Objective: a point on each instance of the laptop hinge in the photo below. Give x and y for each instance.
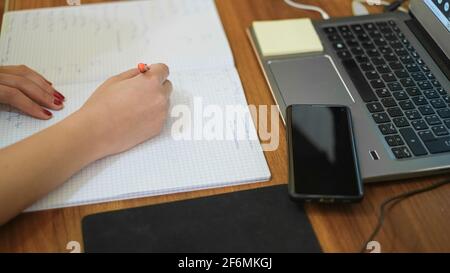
(430, 45)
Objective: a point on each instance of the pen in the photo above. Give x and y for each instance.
(143, 67)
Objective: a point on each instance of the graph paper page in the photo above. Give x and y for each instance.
(94, 42)
(202, 70)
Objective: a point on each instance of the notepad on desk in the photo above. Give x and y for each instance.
(77, 48)
(285, 37)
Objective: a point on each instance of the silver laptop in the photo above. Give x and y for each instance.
(393, 71)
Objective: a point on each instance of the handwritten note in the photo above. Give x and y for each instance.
(79, 47)
(91, 42)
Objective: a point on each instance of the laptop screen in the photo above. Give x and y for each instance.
(440, 8)
(434, 17)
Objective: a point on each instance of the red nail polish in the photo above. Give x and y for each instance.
(59, 96)
(48, 113)
(57, 102)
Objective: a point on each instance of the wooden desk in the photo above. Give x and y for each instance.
(420, 224)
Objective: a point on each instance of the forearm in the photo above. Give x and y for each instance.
(37, 165)
(124, 111)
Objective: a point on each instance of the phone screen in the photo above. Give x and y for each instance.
(323, 161)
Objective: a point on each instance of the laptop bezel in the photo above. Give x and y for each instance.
(431, 24)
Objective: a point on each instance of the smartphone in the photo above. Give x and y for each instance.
(323, 161)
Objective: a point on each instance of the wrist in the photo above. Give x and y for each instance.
(90, 134)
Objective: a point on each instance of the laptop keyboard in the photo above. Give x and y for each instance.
(409, 105)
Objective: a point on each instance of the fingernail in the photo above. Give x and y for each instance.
(57, 102)
(48, 113)
(59, 95)
(49, 82)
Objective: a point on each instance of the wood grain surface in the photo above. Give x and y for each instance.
(419, 224)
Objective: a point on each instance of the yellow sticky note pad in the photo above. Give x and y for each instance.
(283, 37)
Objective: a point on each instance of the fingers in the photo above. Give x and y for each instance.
(24, 71)
(160, 71)
(125, 75)
(32, 90)
(42, 77)
(17, 99)
(167, 88)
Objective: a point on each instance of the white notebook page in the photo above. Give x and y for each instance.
(79, 47)
(93, 42)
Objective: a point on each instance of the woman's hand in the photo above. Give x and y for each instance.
(28, 91)
(128, 109)
(124, 111)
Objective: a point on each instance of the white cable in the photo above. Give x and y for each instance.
(291, 3)
(359, 9)
(382, 2)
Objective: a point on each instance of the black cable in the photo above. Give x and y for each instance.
(398, 199)
(394, 6)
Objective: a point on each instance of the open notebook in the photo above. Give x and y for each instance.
(77, 48)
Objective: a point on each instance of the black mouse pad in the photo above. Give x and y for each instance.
(254, 221)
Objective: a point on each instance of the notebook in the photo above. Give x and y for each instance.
(77, 48)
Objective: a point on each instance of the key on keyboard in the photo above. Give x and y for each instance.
(405, 99)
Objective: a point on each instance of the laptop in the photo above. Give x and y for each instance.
(393, 71)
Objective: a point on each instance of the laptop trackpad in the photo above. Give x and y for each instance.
(309, 80)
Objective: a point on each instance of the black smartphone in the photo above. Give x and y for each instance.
(323, 161)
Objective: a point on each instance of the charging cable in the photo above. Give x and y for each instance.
(394, 5)
(296, 5)
(388, 6)
(391, 202)
(357, 10)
